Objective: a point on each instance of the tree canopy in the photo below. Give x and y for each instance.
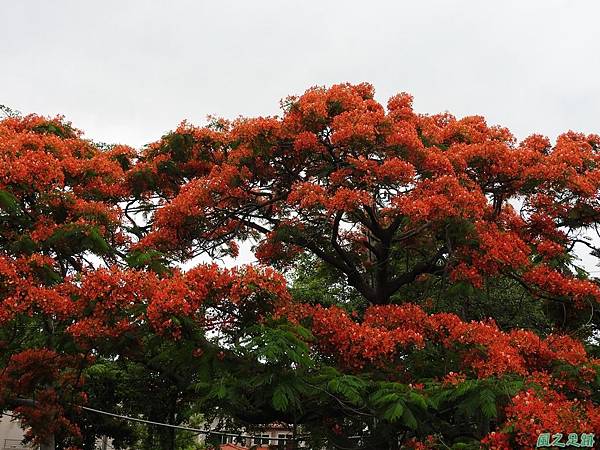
(417, 284)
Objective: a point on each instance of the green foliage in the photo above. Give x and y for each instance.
(280, 344)
(314, 282)
(179, 146)
(141, 180)
(478, 401)
(72, 239)
(502, 298)
(348, 387)
(8, 202)
(152, 260)
(62, 130)
(159, 386)
(286, 395)
(398, 402)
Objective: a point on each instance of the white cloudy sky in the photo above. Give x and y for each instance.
(127, 71)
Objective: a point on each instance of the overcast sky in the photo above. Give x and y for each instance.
(127, 71)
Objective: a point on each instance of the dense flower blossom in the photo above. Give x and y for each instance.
(392, 202)
(388, 333)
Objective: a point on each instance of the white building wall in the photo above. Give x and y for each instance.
(11, 434)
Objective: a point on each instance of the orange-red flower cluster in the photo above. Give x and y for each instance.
(388, 333)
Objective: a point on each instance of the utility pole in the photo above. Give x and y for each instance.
(49, 444)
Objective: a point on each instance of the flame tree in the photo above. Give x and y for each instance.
(435, 298)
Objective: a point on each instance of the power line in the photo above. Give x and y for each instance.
(181, 427)
(198, 430)
(184, 428)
